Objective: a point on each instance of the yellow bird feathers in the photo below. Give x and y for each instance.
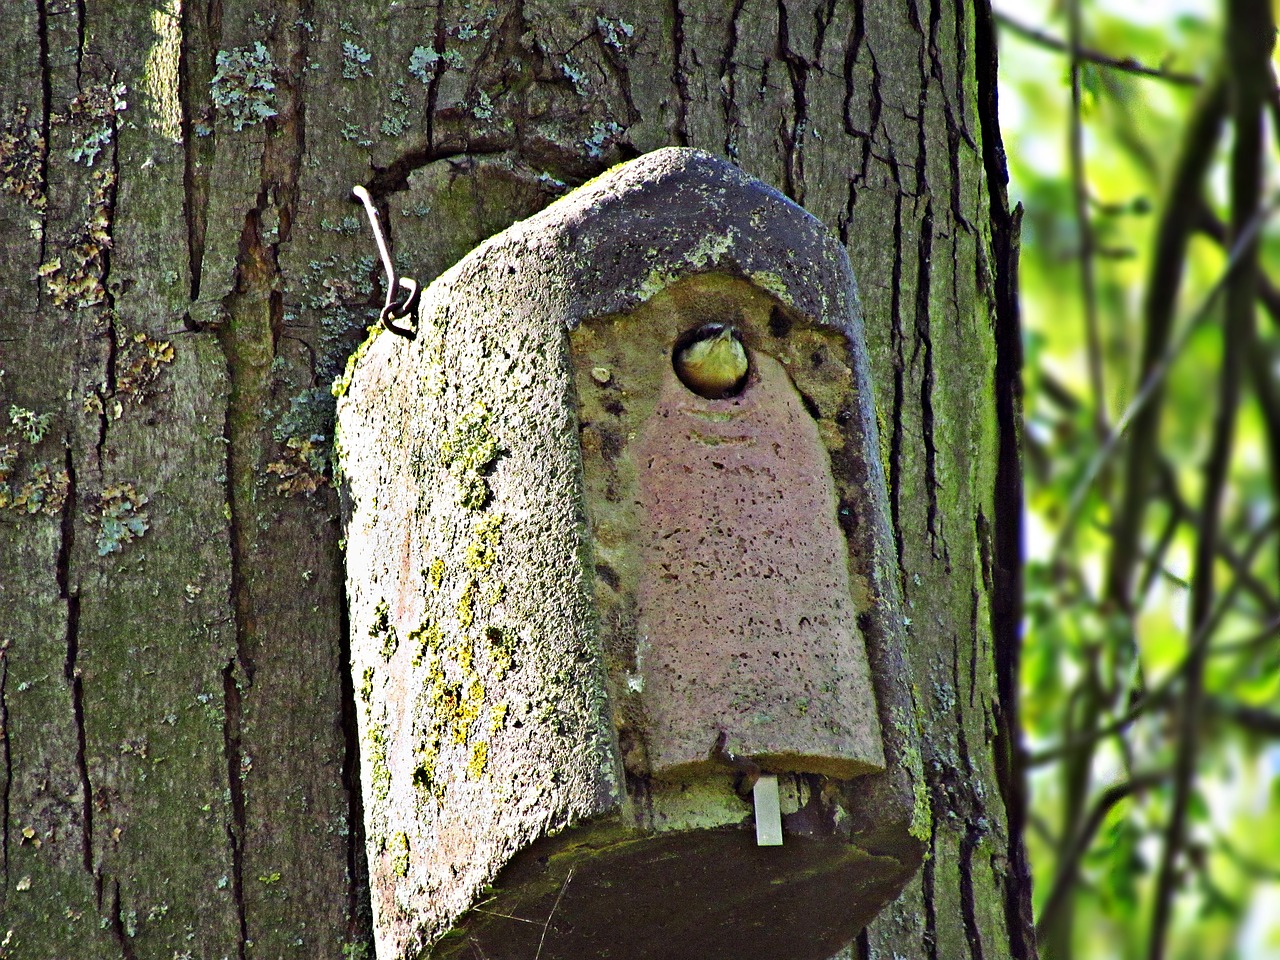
(713, 361)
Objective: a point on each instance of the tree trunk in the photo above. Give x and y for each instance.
(183, 276)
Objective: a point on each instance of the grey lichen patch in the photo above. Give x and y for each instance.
(30, 486)
(304, 433)
(91, 117)
(119, 517)
(244, 88)
(355, 61)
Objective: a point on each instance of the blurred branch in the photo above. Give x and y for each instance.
(1208, 223)
(1250, 36)
(1069, 863)
(1080, 192)
(1151, 387)
(1124, 64)
(1177, 221)
(1253, 719)
(1261, 376)
(1185, 513)
(1163, 694)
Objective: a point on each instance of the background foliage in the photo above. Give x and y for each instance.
(1142, 143)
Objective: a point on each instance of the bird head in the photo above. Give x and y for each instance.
(711, 361)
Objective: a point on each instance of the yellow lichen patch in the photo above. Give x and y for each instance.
(466, 604)
(479, 760)
(74, 277)
(301, 468)
(434, 574)
(427, 640)
(482, 551)
(21, 149)
(140, 363)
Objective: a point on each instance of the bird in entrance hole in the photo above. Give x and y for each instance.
(711, 361)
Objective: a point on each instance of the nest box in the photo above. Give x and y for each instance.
(627, 652)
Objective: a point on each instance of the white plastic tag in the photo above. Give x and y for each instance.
(768, 811)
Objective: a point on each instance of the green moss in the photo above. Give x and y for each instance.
(366, 685)
(343, 383)
(922, 811)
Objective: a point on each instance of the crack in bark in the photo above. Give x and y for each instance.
(852, 53)
(236, 828)
(1006, 596)
(793, 136)
(438, 41)
(729, 83)
(71, 672)
(82, 17)
(899, 373)
(194, 75)
(924, 344)
(46, 123)
(927, 886)
(968, 902)
(358, 908)
(108, 298)
(969, 803)
(678, 77)
(118, 929)
(6, 785)
(70, 666)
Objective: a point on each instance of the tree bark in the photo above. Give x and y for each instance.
(183, 276)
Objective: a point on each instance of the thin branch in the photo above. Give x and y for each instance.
(1152, 385)
(1123, 64)
(1164, 693)
(1177, 221)
(1185, 513)
(1064, 882)
(1253, 719)
(555, 906)
(1250, 36)
(1208, 223)
(1080, 191)
(1261, 376)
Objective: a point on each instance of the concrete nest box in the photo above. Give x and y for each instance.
(625, 633)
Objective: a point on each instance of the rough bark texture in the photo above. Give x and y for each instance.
(183, 274)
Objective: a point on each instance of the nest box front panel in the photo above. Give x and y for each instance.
(723, 575)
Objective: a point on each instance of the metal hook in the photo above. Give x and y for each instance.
(392, 311)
